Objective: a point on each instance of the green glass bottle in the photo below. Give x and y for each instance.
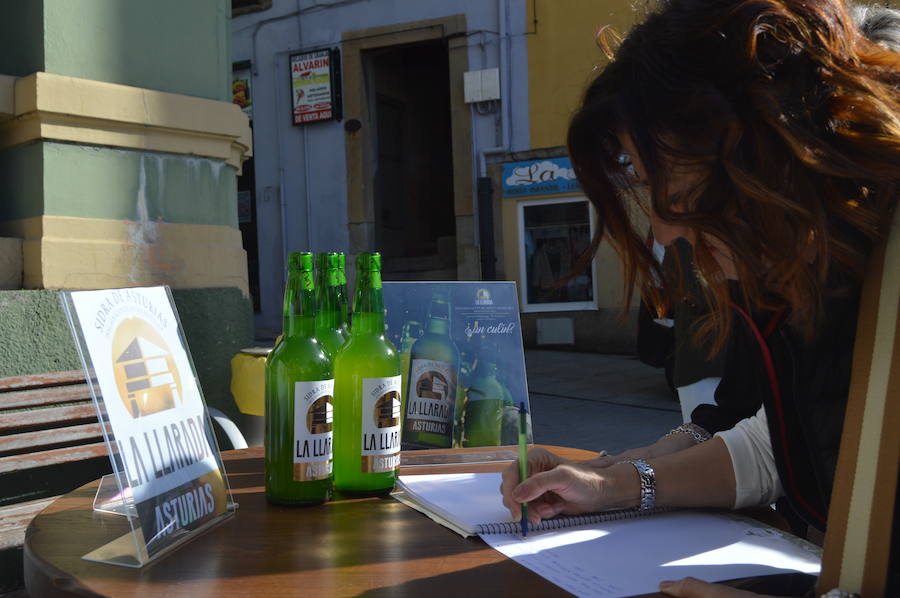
(328, 312)
(433, 378)
(343, 296)
(484, 404)
(367, 393)
(299, 400)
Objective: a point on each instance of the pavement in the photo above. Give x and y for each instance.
(597, 402)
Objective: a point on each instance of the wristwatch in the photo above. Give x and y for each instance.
(648, 482)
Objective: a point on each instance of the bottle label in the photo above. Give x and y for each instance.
(380, 424)
(313, 430)
(431, 397)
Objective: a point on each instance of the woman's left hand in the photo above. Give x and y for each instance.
(694, 588)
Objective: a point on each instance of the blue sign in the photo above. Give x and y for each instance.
(547, 176)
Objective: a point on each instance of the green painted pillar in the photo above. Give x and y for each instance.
(119, 166)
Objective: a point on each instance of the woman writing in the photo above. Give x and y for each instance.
(768, 136)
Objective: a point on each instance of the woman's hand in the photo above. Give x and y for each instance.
(557, 486)
(694, 588)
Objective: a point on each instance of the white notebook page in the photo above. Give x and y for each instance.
(467, 499)
(624, 558)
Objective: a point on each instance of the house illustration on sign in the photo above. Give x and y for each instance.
(149, 380)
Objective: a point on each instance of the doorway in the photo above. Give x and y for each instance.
(408, 92)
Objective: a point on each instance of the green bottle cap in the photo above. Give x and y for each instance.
(333, 261)
(368, 262)
(300, 260)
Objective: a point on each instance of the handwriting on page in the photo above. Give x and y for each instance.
(624, 558)
(549, 555)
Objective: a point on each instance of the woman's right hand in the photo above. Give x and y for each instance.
(556, 486)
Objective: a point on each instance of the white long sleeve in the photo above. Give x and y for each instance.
(756, 478)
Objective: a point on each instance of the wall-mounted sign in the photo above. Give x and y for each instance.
(547, 176)
(240, 95)
(316, 86)
(164, 454)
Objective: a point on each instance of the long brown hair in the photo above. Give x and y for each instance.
(793, 118)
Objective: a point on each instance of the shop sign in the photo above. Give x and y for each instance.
(315, 86)
(547, 176)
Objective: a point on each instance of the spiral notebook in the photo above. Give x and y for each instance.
(470, 504)
(615, 553)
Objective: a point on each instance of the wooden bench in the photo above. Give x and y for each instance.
(50, 443)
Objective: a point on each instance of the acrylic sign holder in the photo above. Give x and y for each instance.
(167, 499)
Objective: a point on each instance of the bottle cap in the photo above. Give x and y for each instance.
(333, 261)
(368, 262)
(300, 260)
(439, 307)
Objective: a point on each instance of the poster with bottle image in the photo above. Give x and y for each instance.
(462, 362)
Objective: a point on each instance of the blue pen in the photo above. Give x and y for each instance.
(523, 460)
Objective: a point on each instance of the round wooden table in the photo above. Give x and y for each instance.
(347, 547)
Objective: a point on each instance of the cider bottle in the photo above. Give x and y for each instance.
(328, 314)
(367, 393)
(484, 403)
(299, 400)
(343, 296)
(433, 378)
(407, 338)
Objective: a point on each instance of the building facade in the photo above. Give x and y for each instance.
(441, 114)
(119, 151)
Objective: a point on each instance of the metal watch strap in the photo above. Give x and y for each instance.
(648, 482)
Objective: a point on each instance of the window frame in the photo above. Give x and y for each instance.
(559, 306)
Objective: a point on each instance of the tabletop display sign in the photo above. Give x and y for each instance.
(316, 86)
(462, 362)
(168, 478)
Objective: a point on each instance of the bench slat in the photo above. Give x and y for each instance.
(52, 457)
(43, 418)
(39, 439)
(37, 380)
(48, 395)
(15, 518)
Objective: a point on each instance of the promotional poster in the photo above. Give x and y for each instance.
(462, 362)
(313, 86)
(161, 441)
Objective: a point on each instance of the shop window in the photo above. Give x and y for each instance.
(554, 233)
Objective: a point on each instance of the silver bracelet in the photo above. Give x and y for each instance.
(648, 482)
(696, 432)
(838, 593)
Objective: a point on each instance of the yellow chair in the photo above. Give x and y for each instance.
(860, 520)
(248, 386)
